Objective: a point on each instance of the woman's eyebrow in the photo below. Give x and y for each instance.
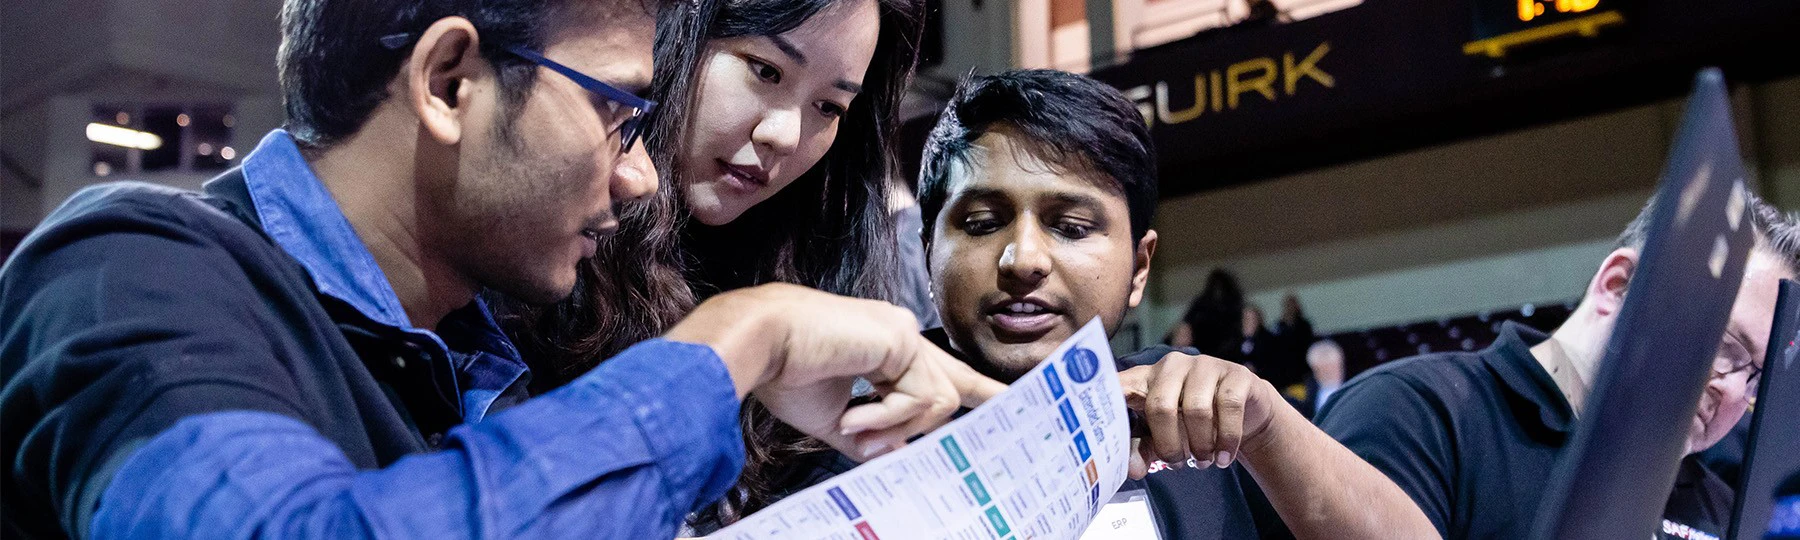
(788, 48)
(793, 53)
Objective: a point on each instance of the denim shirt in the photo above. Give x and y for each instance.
(622, 452)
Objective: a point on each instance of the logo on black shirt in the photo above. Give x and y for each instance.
(1672, 529)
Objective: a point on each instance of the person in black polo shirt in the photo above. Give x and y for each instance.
(1473, 436)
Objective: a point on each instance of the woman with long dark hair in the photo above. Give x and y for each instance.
(787, 158)
(775, 147)
(785, 173)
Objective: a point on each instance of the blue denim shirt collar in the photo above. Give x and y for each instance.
(304, 219)
(301, 216)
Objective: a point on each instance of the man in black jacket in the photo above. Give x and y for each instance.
(299, 351)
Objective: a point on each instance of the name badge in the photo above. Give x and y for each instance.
(1126, 517)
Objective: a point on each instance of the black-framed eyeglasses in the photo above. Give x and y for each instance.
(632, 112)
(1747, 366)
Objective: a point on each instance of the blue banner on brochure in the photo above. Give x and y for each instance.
(1002, 470)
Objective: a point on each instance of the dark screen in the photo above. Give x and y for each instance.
(1775, 426)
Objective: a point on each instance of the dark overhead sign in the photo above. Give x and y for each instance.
(1241, 104)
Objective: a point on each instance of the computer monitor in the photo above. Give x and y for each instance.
(1775, 425)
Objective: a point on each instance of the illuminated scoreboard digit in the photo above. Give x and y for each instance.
(1504, 24)
(1532, 9)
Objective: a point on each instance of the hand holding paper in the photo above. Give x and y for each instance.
(1036, 461)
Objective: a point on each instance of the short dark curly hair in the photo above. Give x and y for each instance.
(334, 69)
(1071, 122)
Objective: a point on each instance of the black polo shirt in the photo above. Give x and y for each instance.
(1474, 436)
(1203, 503)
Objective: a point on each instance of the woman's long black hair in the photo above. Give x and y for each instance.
(830, 229)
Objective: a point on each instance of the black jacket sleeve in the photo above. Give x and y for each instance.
(125, 312)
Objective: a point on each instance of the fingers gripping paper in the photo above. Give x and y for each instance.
(1037, 461)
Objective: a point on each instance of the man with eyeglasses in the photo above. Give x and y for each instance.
(299, 351)
(1472, 437)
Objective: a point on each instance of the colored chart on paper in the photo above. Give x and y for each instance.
(1034, 462)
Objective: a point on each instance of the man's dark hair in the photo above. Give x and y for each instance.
(1777, 233)
(1069, 122)
(335, 70)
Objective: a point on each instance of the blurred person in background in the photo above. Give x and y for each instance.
(1470, 434)
(1326, 360)
(1285, 365)
(1256, 345)
(915, 281)
(1215, 320)
(914, 293)
(1277, 354)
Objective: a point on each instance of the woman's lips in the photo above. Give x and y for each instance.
(742, 178)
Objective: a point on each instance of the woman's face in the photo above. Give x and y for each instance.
(769, 108)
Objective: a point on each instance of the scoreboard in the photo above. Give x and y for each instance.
(1501, 25)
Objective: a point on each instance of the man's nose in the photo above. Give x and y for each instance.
(1027, 258)
(633, 175)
